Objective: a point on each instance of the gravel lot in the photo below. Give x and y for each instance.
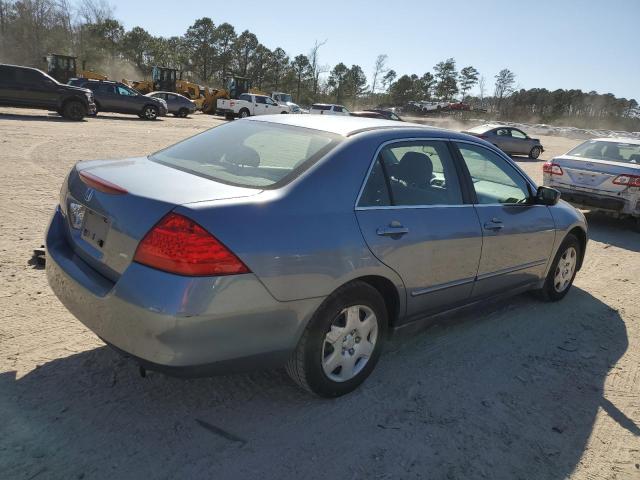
(518, 390)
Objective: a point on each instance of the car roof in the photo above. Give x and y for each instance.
(347, 125)
(633, 141)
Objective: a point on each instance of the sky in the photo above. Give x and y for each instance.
(584, 44)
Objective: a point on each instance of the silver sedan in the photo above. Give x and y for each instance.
(510, 140)
(301, 240)
(177, 104)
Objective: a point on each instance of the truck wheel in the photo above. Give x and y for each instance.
(149, 112)
(244, 113)
(283, 113)
(74, 110)
(342, 342)
(535, 153)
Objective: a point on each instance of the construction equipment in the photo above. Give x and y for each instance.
(162, 79)
(64, 67)
(234, 86)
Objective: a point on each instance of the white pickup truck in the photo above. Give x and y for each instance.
(248, 105)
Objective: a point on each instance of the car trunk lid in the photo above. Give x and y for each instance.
(594, 174)
(105, 225)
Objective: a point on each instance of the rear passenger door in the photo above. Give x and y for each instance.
(416, 220)
(518, 235)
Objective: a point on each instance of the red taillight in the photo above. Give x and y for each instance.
(552, 168)
(627, 180)
(179, 245)
(101, 185)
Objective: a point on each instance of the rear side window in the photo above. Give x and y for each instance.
(29, 77)
(7, 75)
(249, 153)
(416, 174)
(261, 100)
(245, 97)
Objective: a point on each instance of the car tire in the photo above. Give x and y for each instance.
(74, 110)
(342, 342)
(183, 113)
(563, 270)
(244, 113)
(149, 112)
(535, 152)
(284, 113)
(229, 116)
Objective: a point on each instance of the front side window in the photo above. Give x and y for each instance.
(249, 154)
(494, 180)
(124, 91)
(518, 134)
(416, 174)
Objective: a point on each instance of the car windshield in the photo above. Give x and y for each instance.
(608, 150)
(251, 154)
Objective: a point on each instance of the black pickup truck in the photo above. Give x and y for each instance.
(31, 88)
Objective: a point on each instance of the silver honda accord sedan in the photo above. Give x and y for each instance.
(302, 241)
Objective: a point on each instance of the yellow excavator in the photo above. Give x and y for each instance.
(64, 67)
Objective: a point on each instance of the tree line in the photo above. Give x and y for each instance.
(207, 52)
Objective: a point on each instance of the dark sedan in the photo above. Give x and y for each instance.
(508, 139)
(177, 104)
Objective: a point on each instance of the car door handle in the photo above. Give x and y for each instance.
(494, 224)
(392, 231)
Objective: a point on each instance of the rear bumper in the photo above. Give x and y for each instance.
(595, 201)
(182, 325)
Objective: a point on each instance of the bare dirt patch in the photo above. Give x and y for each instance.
(517, 390)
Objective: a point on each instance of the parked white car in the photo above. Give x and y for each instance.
(602, 175)
(248, 105)
(328, 109)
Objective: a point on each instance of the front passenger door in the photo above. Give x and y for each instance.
(517, 235)
(416, 220)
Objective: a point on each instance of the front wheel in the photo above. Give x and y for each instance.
(150, 112)
(535, 153)
(74, 110)
(342, 343)
(563, 270)
(244, 113)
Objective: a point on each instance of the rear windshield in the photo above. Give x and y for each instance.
(321, 107)
(479, 129)
(612, 151)
(249, 153)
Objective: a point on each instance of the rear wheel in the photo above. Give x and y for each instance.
(562, 271)
(149, 112)
(183, 112)
(74, 110)
(342, 343)
(244, 113)
(535, 152)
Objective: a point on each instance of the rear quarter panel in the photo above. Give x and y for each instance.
(302, 240)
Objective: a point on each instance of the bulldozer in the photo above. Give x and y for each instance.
(64, 67)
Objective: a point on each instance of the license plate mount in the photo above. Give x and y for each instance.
(95, 228)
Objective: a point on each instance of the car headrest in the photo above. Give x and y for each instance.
(243, 155)
(635, 158)
(415, 168)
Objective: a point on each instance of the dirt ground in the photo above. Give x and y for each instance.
(517, 390)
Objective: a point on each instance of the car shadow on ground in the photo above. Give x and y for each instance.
(44, 117)
(613, 231)
(132, 117)
(508, 391)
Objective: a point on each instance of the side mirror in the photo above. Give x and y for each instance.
(547, 196)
